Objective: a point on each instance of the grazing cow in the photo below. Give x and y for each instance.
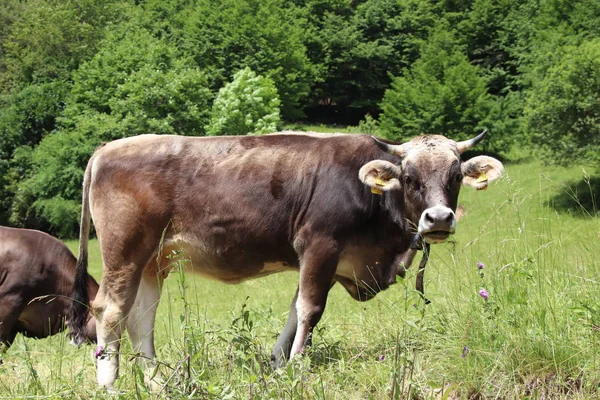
(336, 208)
(36, 282)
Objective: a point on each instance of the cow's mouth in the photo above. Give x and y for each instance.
(436, 236)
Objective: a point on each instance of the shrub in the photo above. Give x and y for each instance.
(563, 110)
(249, 104)
(441, 94)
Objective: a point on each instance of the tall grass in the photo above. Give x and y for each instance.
(536, 336)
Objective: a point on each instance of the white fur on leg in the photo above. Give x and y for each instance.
(302, 330)
(140, 325)
(107, 353)
(108, 367)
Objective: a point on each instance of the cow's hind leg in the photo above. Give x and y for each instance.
(282, 349)
(140, 324)
(111, 307)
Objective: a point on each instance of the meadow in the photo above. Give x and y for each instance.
(537, 336)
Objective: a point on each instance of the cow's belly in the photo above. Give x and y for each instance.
(40, 318)
(229, 267)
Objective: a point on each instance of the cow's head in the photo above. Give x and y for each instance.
(428, 175)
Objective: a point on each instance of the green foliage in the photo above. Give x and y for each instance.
(51, 195)
(25, 117)
(249, 104)
(48, 39)
(442, 93)
(134, 85)
(358, 47)
(143, 84)
(266, 36)
(563, 111)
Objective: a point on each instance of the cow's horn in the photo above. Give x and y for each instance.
(395, 149)
(469, 144)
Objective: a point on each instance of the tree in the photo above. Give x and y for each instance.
(141, 83)
(224, 36)
(48, 39)
(358, 45)
(25, 117)
(135, 84)
(249, 104)
(442, 93)
(563, 110)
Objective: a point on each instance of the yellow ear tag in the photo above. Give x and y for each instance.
(482, 178)
(378, 183)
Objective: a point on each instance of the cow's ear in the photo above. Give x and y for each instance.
(481, 170)
(381, 176)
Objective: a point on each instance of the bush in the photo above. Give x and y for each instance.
(441, 94)
(563, 110)
(249, 104)
(51, 196)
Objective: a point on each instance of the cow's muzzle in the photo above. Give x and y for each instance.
(437, 224)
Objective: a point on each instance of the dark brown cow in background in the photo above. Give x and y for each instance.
(336, 208)
(37, 273)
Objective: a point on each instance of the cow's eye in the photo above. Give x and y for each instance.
(410, 182)
(459, 178)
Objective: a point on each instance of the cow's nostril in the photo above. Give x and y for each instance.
(429, 218)
(449, 217)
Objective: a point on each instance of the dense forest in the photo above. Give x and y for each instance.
(76, 73)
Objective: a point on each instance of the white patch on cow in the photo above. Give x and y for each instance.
(303, 329)
(107, 370)
(140, 323)
(108, 363)
(157, 145)
(346, 265)
(354, 261)
(432, 147)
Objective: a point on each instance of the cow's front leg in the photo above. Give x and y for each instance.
(317, 268)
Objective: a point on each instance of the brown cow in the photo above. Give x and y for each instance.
(339, 208)
(36, 282)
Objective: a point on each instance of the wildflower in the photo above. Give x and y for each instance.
(465, 351)
(381, 357)
(99, 353)
(484, 294)
(480, 265)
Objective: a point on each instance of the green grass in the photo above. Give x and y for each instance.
(536, 337)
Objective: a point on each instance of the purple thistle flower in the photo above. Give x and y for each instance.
(99, 353)
(480, 265)
(484, 294)
(381, 357)
(465, 351)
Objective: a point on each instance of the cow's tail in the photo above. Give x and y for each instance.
(80, 305)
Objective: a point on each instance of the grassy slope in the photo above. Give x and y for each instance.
(537, 334)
